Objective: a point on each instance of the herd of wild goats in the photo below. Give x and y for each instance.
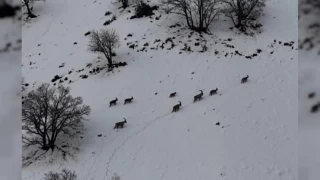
(175, 107)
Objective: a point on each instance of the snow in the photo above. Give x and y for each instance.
(308, 83)
(257, 135)
(10, 106)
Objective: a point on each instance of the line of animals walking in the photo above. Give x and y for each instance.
(175, 108)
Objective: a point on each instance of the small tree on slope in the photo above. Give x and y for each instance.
(199, 14)
(242, 11)
(48, 112)
(104, 42)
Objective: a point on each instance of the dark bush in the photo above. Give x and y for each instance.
(125, 3)
(155, 7)
(107, 13)
(143, 10)
(64, 175)
(7, 10)
(87, 33)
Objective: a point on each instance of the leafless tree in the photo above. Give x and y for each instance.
(64, 175)
(104, 42)
(243, 11)
(48, 112)
(199, 14)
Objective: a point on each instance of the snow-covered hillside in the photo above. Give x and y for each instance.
(256, 137)
(10, 97)
(309, 93)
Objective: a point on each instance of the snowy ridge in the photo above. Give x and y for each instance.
(257, 134)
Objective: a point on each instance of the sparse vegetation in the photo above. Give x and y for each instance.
(143, 9)
(65, 174)
(49, 112)
(242, 12)
(125, 3)
(115, 177)
(309, 10)
(204, 48)
(23, 84)
(29, 6)
(108, 13)
(314, 3)
(199, 14)
(114, 17)
(309, 29)
(104, 42)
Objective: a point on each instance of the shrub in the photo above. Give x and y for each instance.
(199, 14)
(143, 10)
(65, 174)
(125, 3)
(115, 177)
(241, 12)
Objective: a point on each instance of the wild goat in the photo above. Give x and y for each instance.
(120, 124)
(245, 79)
(128, 100)
(113, 102)
(173, 94)
(214, 91)
(176, 107)
(198, 96)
